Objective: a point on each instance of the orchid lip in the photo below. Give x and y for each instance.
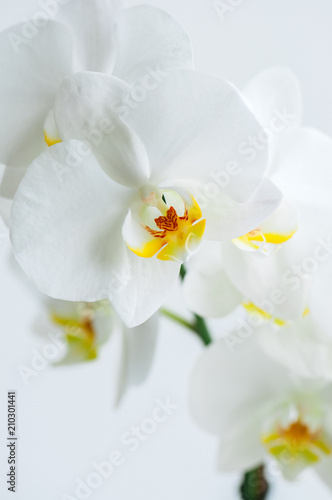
(79, 329)
(297, 443)
(263, 241)
(167, 224)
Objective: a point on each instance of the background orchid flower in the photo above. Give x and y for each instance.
(87, 326)
(258, 409)
(143, 39)
(118, 215)
(271, 267)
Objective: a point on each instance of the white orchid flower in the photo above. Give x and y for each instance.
(259, 409)
(270, 268)
(86, 327)
(107, 218)
(143, 40)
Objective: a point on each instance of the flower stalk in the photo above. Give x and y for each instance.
(198, 325)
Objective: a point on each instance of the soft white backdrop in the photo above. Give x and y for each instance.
(65, 418)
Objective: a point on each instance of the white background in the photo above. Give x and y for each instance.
(65, 417)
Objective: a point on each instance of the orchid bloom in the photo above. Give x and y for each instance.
(112, 214)
(86, 327)
(269, 269)
(143, 40)
(260, 410)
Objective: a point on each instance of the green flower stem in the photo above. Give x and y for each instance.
(177, 319)
(254, 485)
(197, 326)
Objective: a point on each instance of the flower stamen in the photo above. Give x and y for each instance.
(169, 236)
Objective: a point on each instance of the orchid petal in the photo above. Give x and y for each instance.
(299, 348)
(269, 281)
(230, 390)
(275, 98)
(210, 293)
(69, 248)
(242, 451)
(139, 345)
(144, 286)
(84, 110)
(149, 40)
(195, 126)
(92, 24)
(275, 230)
(227, 219)
(27, 92)
(304, 156)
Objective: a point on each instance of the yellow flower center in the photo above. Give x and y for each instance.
(79, 333)
(170, 236)
(297, 443)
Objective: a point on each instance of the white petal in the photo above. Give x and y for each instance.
(66, 224)
(136, 347)
(137, 354)
(196, 126)
(149, 40)
(283, 222)
(141, 342)
(33, 69)
(144, 285)
(270, 281)
(84, 110)
(299, 348)
(92, 25)
(304, 157)
(51, 132)
(230, 390)
(227, 219)
(118, 364)
(275, 98)
(211, 294)
(321, 295)
(272, 232)
(323, 470)
(242, 451)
